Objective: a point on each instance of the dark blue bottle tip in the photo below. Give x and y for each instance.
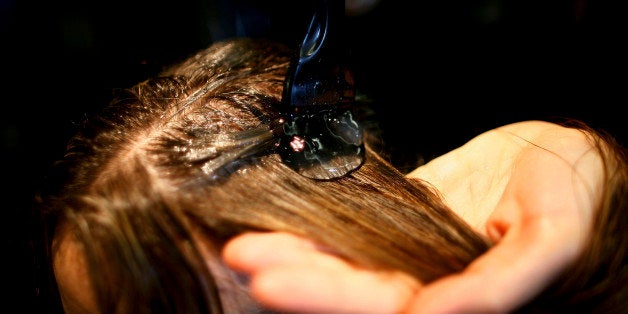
(322, 145)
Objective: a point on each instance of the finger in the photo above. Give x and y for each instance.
(254, 250)
(327, 284)
(531, 253)
(290, 273)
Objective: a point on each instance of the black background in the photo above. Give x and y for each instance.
(439, 72)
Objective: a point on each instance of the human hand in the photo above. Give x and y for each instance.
(539, 224)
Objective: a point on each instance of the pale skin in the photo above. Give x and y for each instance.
(530, 187)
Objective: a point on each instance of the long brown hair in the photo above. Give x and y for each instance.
(597, 282)
(165, 163)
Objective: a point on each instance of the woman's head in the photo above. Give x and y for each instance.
(165, 175)
(150, 190)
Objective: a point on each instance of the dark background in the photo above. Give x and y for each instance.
(439, 73)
